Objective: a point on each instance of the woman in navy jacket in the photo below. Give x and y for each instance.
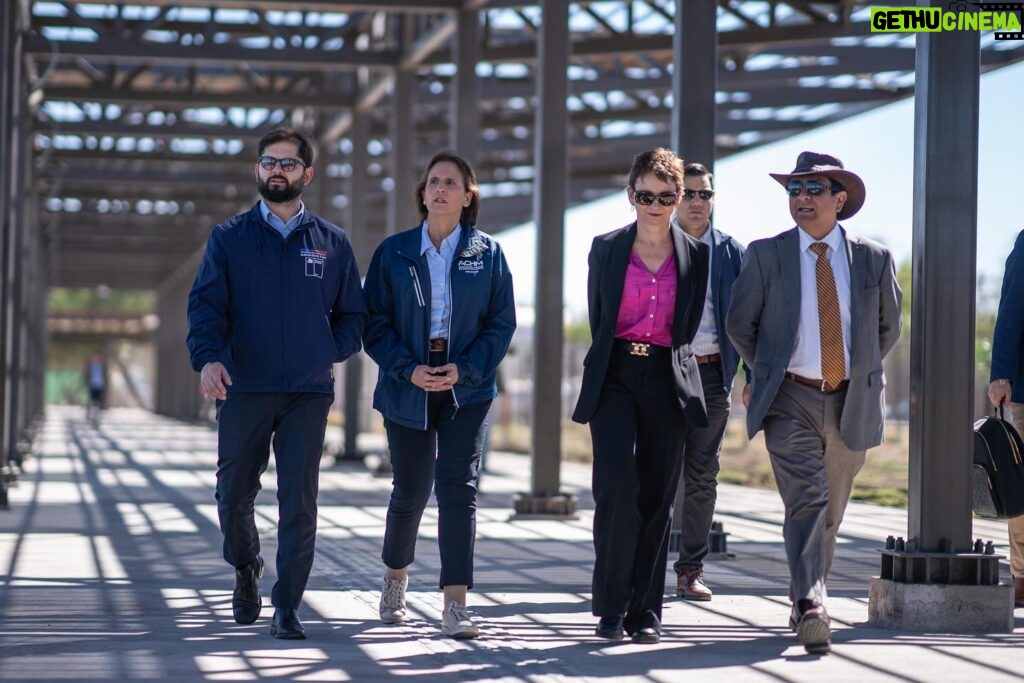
(441, 317)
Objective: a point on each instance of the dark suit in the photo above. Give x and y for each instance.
(816, 440)
(1008, 363)
(695, 501)
(638, 410)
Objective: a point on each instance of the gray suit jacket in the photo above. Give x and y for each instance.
(765, 313)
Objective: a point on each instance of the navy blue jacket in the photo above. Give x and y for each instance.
(726, 261)
(278, 313)
(397, 333)
(1008, 337)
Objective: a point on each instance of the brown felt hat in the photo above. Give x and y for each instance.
(815, 163)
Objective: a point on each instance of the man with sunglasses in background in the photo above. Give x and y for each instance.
(277, 301)
(813, 313)
(717, 361)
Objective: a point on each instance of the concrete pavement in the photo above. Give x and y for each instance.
(110, 569)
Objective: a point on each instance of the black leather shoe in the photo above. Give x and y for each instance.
(649, 630)
(286, 625)
(245, 601)
(610, 628)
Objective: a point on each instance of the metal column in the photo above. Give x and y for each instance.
(12, 146)
(357, 231)
(401, 204)
(551, 160)
(464, 134)
(694, 80)
(938, 551)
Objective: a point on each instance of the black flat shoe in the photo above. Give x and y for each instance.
(245, 601)
(610, 628)
(647, 636)
(286, 625)
(648, 631)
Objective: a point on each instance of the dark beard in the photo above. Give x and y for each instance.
(280, 195)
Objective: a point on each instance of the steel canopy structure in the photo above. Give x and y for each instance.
(129, 128)
(144, 113)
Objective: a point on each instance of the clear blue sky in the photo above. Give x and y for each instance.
(878, 146)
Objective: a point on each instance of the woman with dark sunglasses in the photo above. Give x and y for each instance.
(641, 392)
(441, 317)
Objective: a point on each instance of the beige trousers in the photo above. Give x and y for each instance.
(1016, 525)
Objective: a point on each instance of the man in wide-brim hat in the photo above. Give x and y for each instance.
(814, 310)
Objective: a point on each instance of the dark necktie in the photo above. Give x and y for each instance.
(833, 352)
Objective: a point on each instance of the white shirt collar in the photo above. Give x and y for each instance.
(834, 239)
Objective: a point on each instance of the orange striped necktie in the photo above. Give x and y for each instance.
(830, 326)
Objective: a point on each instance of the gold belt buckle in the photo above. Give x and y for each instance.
(639, 349)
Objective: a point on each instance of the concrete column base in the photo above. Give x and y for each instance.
(558, 506)
(940, 608)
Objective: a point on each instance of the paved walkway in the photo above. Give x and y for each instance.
(110, 569)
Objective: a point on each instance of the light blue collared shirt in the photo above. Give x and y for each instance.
(806, 358)
(275, 221)
(440, 265)
(705, 342)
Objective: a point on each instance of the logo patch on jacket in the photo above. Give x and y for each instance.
(313, 261)
(475, 247)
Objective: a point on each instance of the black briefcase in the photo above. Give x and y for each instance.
(998, 472)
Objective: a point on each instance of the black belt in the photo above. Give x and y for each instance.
(641, 349)
(818, 384)
(438, 345)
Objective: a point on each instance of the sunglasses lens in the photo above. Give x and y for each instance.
(667, 199)
(267, 163)
(287, 165)
(643, 198)
(814, 188)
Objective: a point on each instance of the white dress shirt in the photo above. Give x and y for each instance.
(806, 358)
(705, 342)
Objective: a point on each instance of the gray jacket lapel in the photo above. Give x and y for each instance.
(789, 262)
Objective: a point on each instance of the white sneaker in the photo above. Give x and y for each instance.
(392, 600)
(456, 622)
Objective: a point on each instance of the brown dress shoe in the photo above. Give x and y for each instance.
(813, 627)
(690, 585)
(1018, 591)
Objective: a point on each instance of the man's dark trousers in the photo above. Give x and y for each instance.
(700, 471)
(247, 423)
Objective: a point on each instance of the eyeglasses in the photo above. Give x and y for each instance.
(814, 188)
(645, 198)
(288, 164)
(703, 194)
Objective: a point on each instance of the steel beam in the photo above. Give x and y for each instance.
(551, 158)
(942, 335)
(695, 55)
(464, 135)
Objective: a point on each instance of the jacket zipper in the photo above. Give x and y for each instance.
(416, 286)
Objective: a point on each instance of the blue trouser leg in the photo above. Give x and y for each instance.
(699, 479)
(298, 447)
(245, 423)
(445, 457)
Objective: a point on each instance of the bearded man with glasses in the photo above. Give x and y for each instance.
(640, 393)
(718, 362)
(813, 313)
(276, 302)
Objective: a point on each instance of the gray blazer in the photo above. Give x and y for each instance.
(765, 313)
